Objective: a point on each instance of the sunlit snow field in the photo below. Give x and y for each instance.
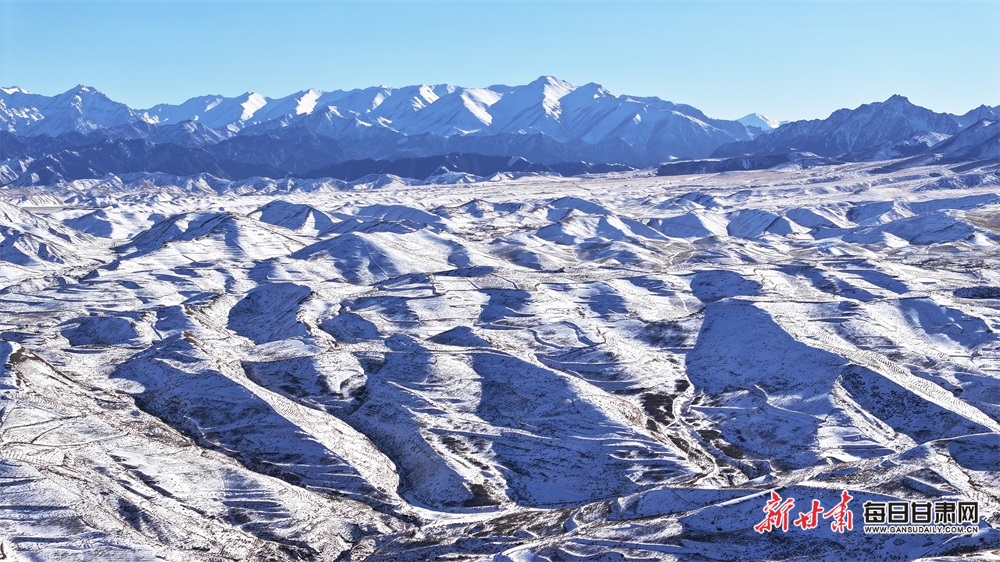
(619, 367)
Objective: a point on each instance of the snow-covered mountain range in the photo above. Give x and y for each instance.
(548, 120)
(549, 106)
(866, 133)
(552, 125)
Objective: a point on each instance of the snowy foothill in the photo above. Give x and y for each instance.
(613, 367)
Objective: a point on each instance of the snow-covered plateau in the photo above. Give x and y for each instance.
(613, 367)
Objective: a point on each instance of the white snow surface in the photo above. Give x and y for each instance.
(618, 367)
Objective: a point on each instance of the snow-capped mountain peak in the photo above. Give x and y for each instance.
(978, 114)
(594, 90)
(79, 89)
(760, 121)
(80, 109)
(426, 96)
(553, 89)
(307, 101)
(251, 104)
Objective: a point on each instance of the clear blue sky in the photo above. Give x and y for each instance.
(790, 60)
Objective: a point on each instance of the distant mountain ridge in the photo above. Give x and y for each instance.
(548, 123)
(375, 120)
(855, 132)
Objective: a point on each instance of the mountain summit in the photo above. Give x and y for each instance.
(761, 121)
